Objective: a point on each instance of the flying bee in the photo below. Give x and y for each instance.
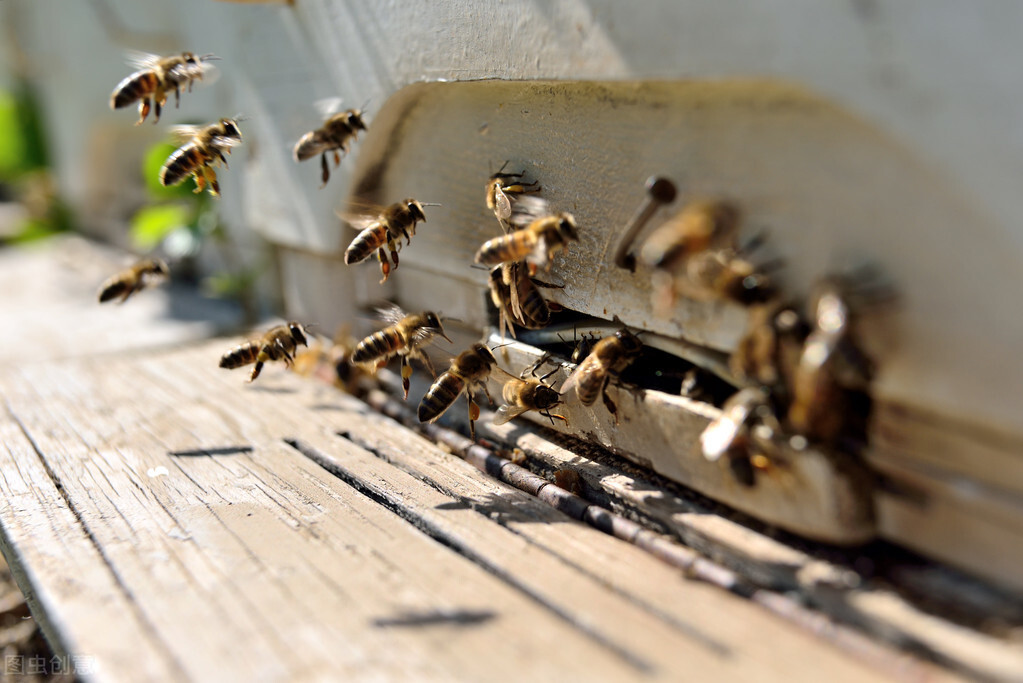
(204, 147)
(696, 253)
(468, 372)
(522, 394)
(746, 432)
(541, 235)
(278, 343)
(333, 136)
(156, 77)
(405, 337)
(500, 187)
(609, 357)
(385, 227)
(133, 279)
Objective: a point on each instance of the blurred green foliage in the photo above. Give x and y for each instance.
(24, 162)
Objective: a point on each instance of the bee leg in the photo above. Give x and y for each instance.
(394, 250)
(489, 397)
(157, 108)
(200, 182)
(337, 157)
(428, 364)
(406, 373)
(177, 94)
(143, 111)
(256, 370)
(552, 416)
(385, 265)
(211, 176)
(324, 169)
(608, 403)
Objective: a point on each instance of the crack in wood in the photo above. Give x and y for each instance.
(400, 508)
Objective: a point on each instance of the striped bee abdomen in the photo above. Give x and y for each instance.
(309, 145)
(534, 307)
(140, 84)
(379, 345)
(499, 250)
(365, 243)
(240, 355)
(440, 397)
(112, 290)
(181, 164)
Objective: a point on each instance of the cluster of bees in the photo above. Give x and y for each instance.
(801, 378)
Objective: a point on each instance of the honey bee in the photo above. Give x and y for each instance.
(133, 279)
(499, 188)
(468, 372)
(522, 394)
(156, 77)
(205, 146)
(609, 357)
(696, 253)
(386, 226)
(278, 343)
(331, 361)
(746, 432)
(333, 136)
(831, 370)
(769, 351)
(517, 298)
(405, 337)
(541, 236)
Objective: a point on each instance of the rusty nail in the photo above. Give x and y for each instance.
(659, 191)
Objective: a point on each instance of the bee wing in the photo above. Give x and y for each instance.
(507, 413)
(502, 205)
(527, 209)
(184, 133)
(568, 388)
(328, 106)
(203, 71)
(141, 60)
(502, 376)
(392, 314)
(360, 214)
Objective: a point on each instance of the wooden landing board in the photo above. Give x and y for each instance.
(164, 491)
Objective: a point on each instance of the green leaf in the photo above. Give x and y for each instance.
(153, 223)
(155, 158)
(12, 146)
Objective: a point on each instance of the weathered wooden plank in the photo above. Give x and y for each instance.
(635, 575)
(276, 556)
(75, 595)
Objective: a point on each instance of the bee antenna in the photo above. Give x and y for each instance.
(209, 58)
(501, 346)
(238, 118)
(430, 204)
(365, 104)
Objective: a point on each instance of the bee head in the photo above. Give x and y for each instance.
(231, 129)
(354, 120)
(567, 227)
(484, 352)
(160, 266)
(545, 397)
(298, 333)
(416, 209)
(190, 58)
(432, 321)
(630, 342)
(754, 288)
